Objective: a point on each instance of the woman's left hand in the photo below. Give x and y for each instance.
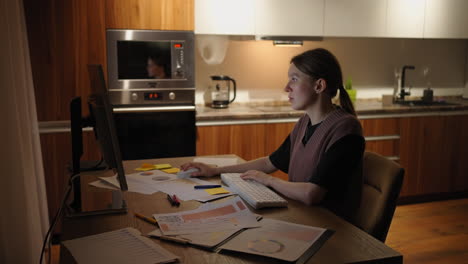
(258, 176)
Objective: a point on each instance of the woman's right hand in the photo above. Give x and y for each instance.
(204, 169)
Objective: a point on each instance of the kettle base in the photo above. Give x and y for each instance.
(220, 104)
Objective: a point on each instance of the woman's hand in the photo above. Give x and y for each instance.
(258, 176)
(204, 169)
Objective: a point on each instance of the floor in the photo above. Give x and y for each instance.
(435, 232)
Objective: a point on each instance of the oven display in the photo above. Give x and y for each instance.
(153, 96)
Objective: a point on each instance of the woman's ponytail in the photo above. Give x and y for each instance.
(345, 101)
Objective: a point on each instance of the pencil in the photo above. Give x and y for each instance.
(147, 219)
(207, 186)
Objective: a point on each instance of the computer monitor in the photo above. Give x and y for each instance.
(104, 126)
(102, 120)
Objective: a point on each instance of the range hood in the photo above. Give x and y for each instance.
(289, 41)
(290, 38)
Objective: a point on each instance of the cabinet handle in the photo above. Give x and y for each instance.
(387, 137)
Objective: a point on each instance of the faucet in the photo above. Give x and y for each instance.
(403, 93)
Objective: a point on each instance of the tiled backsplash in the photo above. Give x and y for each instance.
(260, 69)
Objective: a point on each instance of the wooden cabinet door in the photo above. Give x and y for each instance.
(153, 14)
(424, 151)
(246, 141)
(456, 131)
(382, 136)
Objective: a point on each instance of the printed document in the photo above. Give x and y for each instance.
(119, 246)
(232, 214)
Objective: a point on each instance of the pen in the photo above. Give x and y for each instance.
(176, 200)
(147, 219)
(206, 186)
(169, 198)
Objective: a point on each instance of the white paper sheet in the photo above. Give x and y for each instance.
(214, 217)
(119, 246)
(183, 189)
(153, 181)
(103, 184)
(142, 182)
(220, 162)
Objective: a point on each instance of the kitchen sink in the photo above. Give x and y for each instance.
(423, 103)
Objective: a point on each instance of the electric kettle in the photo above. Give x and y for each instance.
(221, 91)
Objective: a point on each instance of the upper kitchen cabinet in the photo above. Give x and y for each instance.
(355, 18)
(225, 17)
(446, 19)
(405, 18)
(154, 14)
(289, 18)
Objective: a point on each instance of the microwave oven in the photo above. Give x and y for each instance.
(150, 67)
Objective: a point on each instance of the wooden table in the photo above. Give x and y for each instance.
(348, 244)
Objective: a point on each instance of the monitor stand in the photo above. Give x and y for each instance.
(88, 165)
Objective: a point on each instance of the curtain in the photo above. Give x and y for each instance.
(23, 218)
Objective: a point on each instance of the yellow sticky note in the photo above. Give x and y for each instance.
(162, 166)
(144, 169)
(172, 170)
(214, 191)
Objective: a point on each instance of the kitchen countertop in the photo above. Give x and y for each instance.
(282, 110)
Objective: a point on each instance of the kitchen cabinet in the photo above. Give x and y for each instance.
(405, 18)
(155, 14)
(355, 18)
(65, 36)
(289, 18)
(446, 19)
(433, 151)
(382, 136)
(246, 141)
(225, 17)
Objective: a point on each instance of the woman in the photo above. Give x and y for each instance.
(324, 148)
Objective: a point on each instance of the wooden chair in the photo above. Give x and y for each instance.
(382, 181)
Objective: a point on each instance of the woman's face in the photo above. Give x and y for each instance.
(155, 70)
(300, 89)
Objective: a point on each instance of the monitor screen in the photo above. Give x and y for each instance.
(104, 126)
(144, 60)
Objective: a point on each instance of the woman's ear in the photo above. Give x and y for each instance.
(320, 85)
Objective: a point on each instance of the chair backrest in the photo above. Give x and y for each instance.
(382, 181)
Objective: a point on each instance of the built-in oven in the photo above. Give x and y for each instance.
(157, 132)
(152, 89)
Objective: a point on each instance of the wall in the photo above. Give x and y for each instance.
(260, 69)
